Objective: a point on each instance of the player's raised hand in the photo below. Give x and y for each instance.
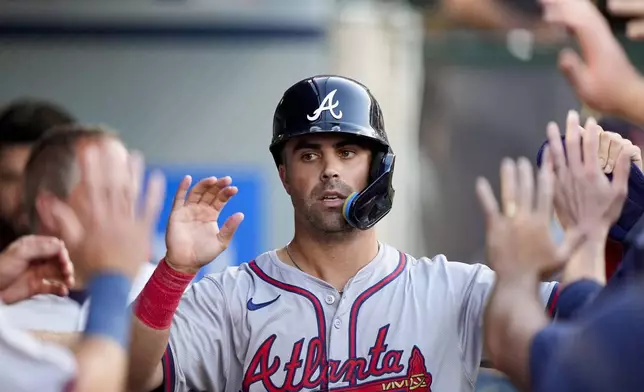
(584, 196)
(604, 79)
(110, 233)
(518, 236)
(34, 265)
(193, 237)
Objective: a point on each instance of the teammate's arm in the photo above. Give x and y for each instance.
(193, 239)
(604, 79)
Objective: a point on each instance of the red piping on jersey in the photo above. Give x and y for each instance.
(552, 301)
(168, 370)
(362, 298)
(319, 316)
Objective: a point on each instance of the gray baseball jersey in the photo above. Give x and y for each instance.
(400, 324)
(29, 365)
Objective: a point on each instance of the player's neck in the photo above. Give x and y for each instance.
(334, 262)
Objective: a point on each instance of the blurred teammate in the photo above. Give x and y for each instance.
(335, 308)
(585, 353)
(22, 122)
(105, 239)
(53, 173)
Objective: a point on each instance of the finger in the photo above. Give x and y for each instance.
(635, 154)
(545, 188)
(154, 199)
(50, 287)
(626, 8)
(223, 197)
(489, 204)
(70, 228)
(33, 247)
(136, 164)
(66, 268)
(573, 238)
(182, 190)
(621, 174)
(590, 122)
(209, 196)
(574, 70)
(590, 143)
(223, 193)
(200, 188)
(93, 178)
(614, 150)
(508, 186)
(229, 228)
(635, 29)
(573, 142)
(526, 185)
(584, 20)
(555, 145)
(604, 145)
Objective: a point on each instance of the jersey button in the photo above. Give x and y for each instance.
(337, 323)
(330, 299)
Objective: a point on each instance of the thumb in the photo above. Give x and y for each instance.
(574, 69)
(229, 228)
(71, 229)
(621, 173)
(573, 238)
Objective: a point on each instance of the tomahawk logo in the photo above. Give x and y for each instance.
(327, 104)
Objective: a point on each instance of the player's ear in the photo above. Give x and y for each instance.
(284, 178)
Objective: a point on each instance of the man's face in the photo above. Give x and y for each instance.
(320, 171)
(13, 160)
(117, 168)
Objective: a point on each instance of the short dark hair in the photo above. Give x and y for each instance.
(52, 164)
(26, 120)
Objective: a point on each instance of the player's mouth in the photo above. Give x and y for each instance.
(332, 199)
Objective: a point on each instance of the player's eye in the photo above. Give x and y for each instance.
(308, 156)
(346, 154)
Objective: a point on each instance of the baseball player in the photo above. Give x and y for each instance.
(335, 309)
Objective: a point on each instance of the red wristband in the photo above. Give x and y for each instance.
(159, 299)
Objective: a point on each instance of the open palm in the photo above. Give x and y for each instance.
(193, 237)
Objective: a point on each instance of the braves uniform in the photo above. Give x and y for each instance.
(401, 324)
(28, 365)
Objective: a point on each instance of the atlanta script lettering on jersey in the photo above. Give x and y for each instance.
(380, 362)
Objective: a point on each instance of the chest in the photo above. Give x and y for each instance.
(378, 339)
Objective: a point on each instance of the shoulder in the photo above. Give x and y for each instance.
(439, 266)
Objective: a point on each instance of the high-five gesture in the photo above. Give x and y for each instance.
(584, 196)
(518, 239)
(110, 233)
(193, 237)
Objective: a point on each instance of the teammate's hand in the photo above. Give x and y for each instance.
(611, 146)
(605, 79)
(34, 265)
(519, 240)
(110, 234)
(193, 237)
(631, 9)
(584, 196)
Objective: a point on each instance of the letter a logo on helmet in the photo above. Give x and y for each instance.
(327, 104)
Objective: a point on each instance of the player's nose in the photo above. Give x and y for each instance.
(330, 171)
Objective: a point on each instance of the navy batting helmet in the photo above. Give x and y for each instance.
(335, 104)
